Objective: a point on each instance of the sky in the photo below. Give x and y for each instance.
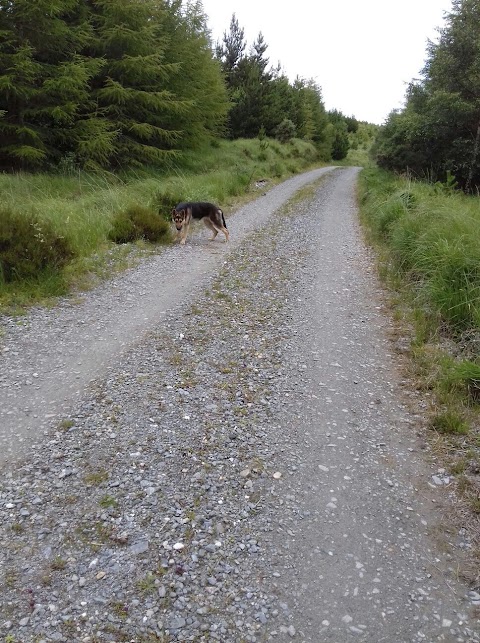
(362, 53)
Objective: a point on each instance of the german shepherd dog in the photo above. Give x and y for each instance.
(210, 213)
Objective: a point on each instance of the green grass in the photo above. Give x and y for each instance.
(428, 243)
(432, 237)
(449, 422)
(82, 207)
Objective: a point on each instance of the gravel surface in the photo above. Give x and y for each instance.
(244, 464)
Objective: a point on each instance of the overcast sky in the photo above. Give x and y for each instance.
(361, 53)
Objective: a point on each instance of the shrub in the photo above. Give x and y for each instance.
(340, 144)
(123, 229)
(138, 222)
(286, 130)
(29, 247)
(165, 200)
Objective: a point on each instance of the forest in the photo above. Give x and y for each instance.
(120, 83)
(436, 137)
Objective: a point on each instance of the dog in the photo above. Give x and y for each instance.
(209, 213)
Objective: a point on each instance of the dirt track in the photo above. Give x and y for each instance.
(245, 465)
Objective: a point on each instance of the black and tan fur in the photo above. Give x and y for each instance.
(210, 213)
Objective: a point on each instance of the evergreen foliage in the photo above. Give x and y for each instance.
(199, 81)
(262, 97)
(341, 126)
(286, 131)
(111, 82)
(92, 84)
(438, 131)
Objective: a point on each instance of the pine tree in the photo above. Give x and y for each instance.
(198, 80)
(231, 52)
(310, 116)
(247, 81)
(41, 77)
(132, 89)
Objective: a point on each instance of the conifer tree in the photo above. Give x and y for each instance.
(437, 134)
(132, 89)
(43, 82)
(231, 51)
(311, 118)
(198, 79)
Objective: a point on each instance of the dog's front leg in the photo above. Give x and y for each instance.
(184, 233)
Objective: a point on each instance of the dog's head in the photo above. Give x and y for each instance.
(178, 218)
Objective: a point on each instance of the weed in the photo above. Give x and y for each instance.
(108, 501)
(29, 246)
(449, 422)
(64, 425)
(119, 609)
(466, 375)
(10, 578)
(475, 504)
(147, 584)
(58, 564)
(458, 467)
(96, 477)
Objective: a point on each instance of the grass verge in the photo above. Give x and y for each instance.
(428, 242)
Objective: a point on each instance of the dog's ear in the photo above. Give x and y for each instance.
(173, 212)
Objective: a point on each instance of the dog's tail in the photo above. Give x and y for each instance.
(223, 218)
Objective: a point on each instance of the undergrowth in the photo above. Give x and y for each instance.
(428, 242)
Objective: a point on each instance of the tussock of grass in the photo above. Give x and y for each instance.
(449, 422)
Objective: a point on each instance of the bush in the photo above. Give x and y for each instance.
(165, 200)
(138, 222)
(123, 229)
(286, 131)
(29, 247)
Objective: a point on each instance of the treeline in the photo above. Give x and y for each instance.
(437, 135)
(119, 83)
(263, 100)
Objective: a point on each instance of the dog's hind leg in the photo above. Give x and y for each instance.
(211, 226)
(223, 227)
(217, 222)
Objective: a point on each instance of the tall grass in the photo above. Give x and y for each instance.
(433, 240)
(428, 237)
(82, 207)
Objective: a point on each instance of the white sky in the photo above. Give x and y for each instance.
(362, 53)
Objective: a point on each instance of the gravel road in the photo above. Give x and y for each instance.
(218, 445)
